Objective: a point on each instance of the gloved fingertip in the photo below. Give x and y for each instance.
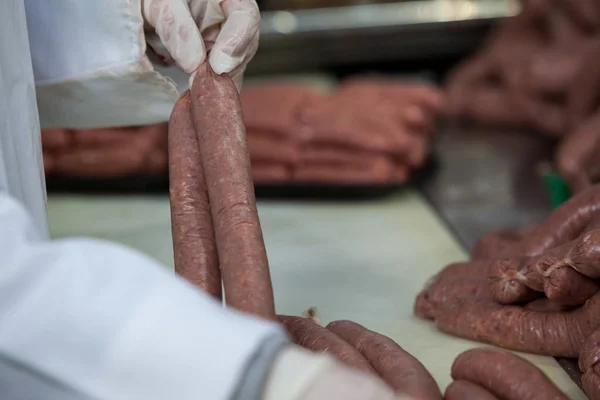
(223, 63)
(191, 66)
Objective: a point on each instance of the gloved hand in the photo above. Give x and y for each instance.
(186, 31)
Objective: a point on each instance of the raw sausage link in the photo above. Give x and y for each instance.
(219, 124)
(564, 285)
(487, 104)
(542, 113)
(576, 152)
(455, 281)
(103, 162)
(194, 246)
(337, 155)
(401, 92)
(276, 108)
(264, 148)
(404, 373)
(559, 334)
(104, 137)
(507, 281)
(311, 336)
(584, 256)
(582, 101)
(565, 223)
(460, 304)
(378, 173)
(589, 364)
(545, 305)
(591, 384)
(270, 173)
(498, 244)
(506, 375)
(465, 390)
(56, 139)
(49, 163)
(514, 280)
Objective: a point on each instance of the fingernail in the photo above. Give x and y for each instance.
(222, 63)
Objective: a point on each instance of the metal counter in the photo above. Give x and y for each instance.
(320, 38)
(487, 179)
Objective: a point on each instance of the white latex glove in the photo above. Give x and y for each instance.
(186, 31)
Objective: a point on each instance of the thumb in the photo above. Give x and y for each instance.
(177, 31)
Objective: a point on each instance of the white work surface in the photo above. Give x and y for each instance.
(363, 261)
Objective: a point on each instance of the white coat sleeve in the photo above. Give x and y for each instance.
(90, 65)
(82, 318)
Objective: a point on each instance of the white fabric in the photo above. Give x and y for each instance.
(90, 62)
(298, 374)
(86, 319)
(293, 372)
(343, 383)
(21, 172)
(90, 65)
(100, 320)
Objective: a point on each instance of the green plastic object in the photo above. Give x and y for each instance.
(559, 191)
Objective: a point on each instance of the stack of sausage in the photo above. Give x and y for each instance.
(106, 152)
(534, 70)
(535, 289)
(367, 131)
(578, 155)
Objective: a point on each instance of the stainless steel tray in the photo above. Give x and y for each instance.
(325, 37)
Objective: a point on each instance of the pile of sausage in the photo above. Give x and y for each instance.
(217, 239)
(535, 290)
(578, 155)
(367, 131)
(105, 152)
(534, 70)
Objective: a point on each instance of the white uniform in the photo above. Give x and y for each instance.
(78, 316)
(88, 319)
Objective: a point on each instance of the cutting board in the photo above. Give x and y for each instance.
(363, 261)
